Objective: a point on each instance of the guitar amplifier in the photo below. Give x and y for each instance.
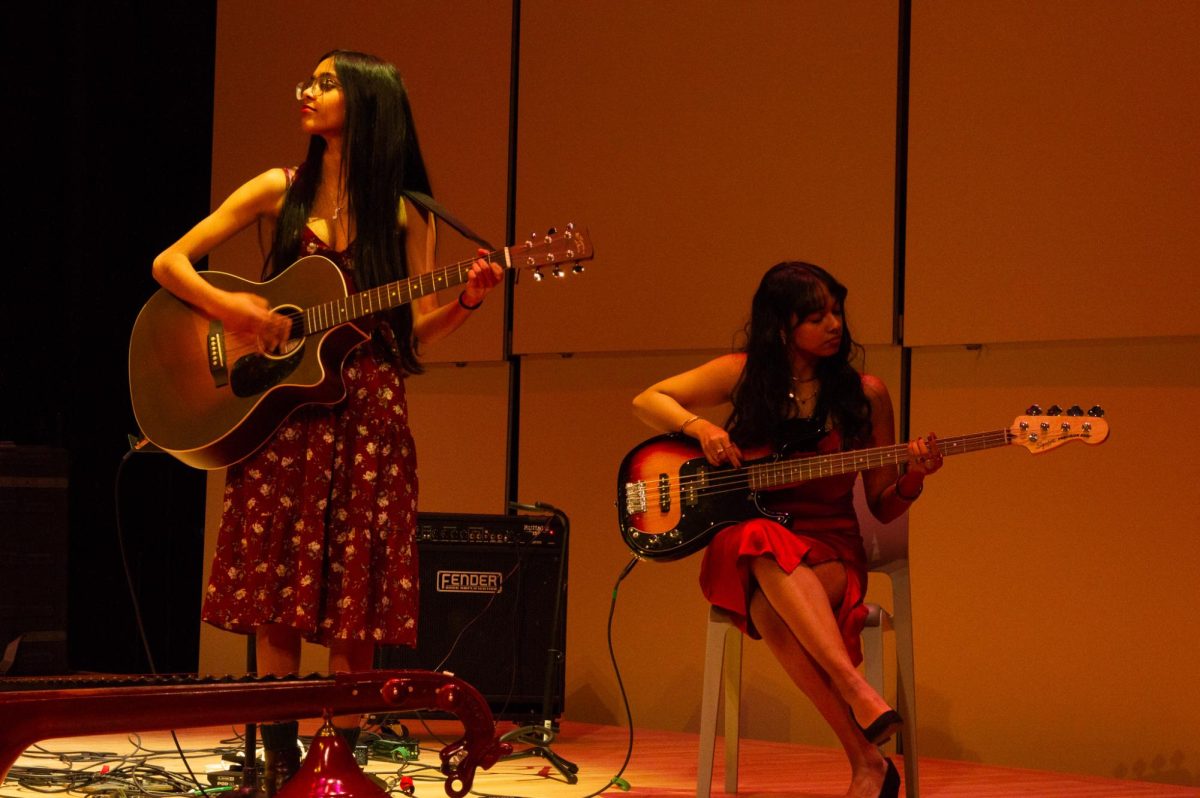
(33, 556)
(490, 585)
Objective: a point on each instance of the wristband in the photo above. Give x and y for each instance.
(464, 305)
(683, 426)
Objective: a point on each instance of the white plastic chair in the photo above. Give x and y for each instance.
(887, 553)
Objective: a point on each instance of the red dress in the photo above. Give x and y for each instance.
(824, 527)
(318, 527)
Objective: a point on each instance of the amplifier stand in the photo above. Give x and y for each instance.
(540, 737)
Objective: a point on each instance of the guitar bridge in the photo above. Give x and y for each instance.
(635, 497)
(216, 353)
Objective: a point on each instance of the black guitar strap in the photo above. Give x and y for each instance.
(437, 209)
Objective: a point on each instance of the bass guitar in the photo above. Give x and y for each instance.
(211, 397)
(671, 501)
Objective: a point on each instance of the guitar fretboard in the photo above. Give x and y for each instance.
(782, 473)
(392, 295)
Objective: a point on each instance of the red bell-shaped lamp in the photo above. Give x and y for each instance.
(330, 770)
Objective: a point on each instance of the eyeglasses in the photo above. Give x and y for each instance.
(319, 84)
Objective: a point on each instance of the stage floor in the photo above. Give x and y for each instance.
(663, 764)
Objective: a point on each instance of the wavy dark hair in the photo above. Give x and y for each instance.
(381, 158)
(788, 292)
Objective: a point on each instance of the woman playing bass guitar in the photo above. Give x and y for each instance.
(801, 589)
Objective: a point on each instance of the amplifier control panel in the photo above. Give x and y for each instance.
(498, 530)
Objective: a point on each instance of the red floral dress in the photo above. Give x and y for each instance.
(824, 528)
(318, 527)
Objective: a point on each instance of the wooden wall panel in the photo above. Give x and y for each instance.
(460, 424)
(454, 58)
(1054, 178)
(703, 143)
(1054, 594)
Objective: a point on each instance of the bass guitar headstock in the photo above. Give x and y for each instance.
(1040, 431)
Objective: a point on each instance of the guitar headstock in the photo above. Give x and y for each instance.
(1040, 431)
(554, 249)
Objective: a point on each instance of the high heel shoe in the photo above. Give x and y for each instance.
(880, 730)
(891, 782)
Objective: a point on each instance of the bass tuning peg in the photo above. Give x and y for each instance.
(1054, 410)
(1096, 411)
(1074, 410)
(1033, 410)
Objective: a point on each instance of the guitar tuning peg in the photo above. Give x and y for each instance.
(1033, 410)
(552, 231)
(537, 274)
(577, 268)
(1054, 410)
(1096, 411)
(570, 227)
(1074, 410)
(557, 272)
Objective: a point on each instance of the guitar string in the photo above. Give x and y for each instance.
(324, 310)
(714, 483)
(373, 300)
(739, 480)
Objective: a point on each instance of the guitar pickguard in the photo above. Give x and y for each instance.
(255, 373)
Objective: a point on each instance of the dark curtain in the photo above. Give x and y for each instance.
(108, 112)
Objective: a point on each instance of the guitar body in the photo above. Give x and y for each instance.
(667, 507)
(209, 415)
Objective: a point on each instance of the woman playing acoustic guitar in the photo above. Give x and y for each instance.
(793, 388)
(317, 537)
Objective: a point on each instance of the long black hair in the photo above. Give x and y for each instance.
(788, 293)
(381, 158)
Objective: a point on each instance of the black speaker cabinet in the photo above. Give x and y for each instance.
(490, 586)
(33, 560)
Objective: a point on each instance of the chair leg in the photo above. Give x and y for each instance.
(733, 705)
(714, 651)
(906, 683)
(872, 638)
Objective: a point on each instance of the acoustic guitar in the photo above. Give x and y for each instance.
(211, 397)
(671, 501)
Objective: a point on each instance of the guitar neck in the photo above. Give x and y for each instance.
(393, 295)
(783, 473)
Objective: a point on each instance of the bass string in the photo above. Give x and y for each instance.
(800, 470)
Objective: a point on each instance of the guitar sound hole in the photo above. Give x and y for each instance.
(295, 336)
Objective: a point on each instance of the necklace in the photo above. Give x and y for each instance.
(803, 400)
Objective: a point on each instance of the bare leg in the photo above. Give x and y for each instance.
(804, 602)
(277, 649)
(350, 656)
(867, 766)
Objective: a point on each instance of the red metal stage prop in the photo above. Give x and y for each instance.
(32, 712)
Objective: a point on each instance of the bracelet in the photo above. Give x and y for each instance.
(464, 305)
(912, 498)
(683, 426)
